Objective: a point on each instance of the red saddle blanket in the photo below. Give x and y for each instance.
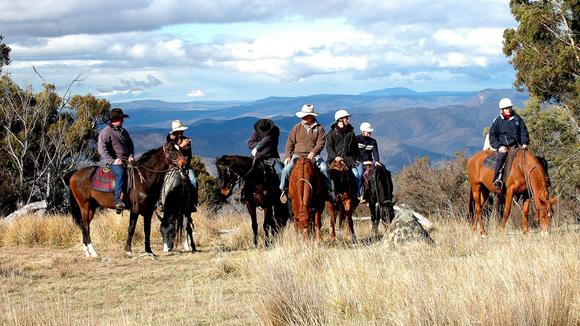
(104, 180)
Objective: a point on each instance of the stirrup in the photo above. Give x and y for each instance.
(283, 197)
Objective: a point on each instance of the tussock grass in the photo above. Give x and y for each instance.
(463, 279)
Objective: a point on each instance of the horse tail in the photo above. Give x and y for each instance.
(471, 205)
(74, 206)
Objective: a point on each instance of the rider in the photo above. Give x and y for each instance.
(306, 139)
(176, 135)
(369, 151)
(341, 145)
(264, 146)
(507, 130)
(116, 147)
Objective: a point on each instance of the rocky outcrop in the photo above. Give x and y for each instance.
(37, 208)
(405, 228)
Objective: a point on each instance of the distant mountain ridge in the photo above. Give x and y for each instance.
(407, 124)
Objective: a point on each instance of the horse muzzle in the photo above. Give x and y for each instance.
(225, 191)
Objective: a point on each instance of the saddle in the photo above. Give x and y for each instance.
(104, 180)
(491, 161)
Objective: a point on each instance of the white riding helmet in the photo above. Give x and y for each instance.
(365, 126)
(505, 103)
(341, 114)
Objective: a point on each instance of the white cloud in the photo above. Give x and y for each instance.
(485, 41)
(196, 93)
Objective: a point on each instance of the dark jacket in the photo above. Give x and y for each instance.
(368, 148)
(508, 132)
(265, 138)
(342, 142)
(185, 150)
(114, 143)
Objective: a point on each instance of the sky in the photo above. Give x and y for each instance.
(194, 50)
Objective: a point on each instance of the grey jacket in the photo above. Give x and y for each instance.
(114, 143)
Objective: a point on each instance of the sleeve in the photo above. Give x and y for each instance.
(354, 148)
(376, 151)
(253, 141)
(320, 141)
(494, 135)
(103, 147)
(130, 146)
(330, 150)
(524, 136)
(291, 143)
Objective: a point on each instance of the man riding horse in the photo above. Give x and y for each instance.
(264, 146)
(341, 145)
(306, 138)
(508, 130)
(176, 135)
(116, 148)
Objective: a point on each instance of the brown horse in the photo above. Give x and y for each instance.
(148, 173)
(261, 182)
(527, 178)
(346, 201)
(306, 197)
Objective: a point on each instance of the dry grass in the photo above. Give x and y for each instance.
(464, 279)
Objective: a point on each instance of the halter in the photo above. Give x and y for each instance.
(527, 178)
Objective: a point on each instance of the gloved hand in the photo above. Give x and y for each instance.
(286, 161)
(524, 146)
(254, 151)
(503, 149)
(310, 156)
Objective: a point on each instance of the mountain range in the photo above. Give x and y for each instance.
(408, 124)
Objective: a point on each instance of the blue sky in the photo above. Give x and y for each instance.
(243, 50)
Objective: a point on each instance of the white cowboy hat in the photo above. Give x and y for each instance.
(365, 126)
(177, 125)
(307, 109)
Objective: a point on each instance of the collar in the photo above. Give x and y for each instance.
(311, 127)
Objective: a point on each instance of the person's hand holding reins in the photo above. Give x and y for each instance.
(503, 149)
(287, 161)
(310, 156)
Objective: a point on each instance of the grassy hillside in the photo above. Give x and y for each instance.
(464, 279)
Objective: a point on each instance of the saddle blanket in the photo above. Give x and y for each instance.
(490, 161)
(104, 180)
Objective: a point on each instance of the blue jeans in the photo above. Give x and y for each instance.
(319, 163)
(192, 177)
(358, 172)
(119, 173)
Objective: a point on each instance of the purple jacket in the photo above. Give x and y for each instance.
(114, 143)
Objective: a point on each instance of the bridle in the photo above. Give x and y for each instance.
(172, 163)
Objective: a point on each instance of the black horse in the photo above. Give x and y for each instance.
(378, 192)
(261, 185)
(177, 196)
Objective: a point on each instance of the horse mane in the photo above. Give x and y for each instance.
(148, 155)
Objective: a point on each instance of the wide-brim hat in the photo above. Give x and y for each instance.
(177, 125)
(117, 113)
(307, 109)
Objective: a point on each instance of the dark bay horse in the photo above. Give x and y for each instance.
(378, 192)
(262, 183)
(346, 201)
(307, 197)
(527, 178)
(147, 173)
(177, 195)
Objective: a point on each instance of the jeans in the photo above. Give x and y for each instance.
(192, 177)
(119, 173)
(358, 172)
(319, 163)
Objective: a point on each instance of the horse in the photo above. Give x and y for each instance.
(147, 173)
(527, 178)
(262, 182)
(346, 200)
(307, 195)
(177, 195)
(378, 192)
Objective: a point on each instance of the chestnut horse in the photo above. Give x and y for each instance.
(148, 173)
(307, 194)
(527, 178)
(346, 201)
(262, 182)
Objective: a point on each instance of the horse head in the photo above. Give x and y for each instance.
(173, 155)
(228, 178)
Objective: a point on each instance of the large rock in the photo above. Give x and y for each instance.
(37, 208)
(405, 228)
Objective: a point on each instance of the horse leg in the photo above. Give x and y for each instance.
(267, 226)
(525, 212)
(374, 218)
(188, 244)
(508, 206)
(89, 213)
(131, 231)
(252, 211)
(348, 214)
(332, 215)
(147, 232)
(478, 200)
(318, 224)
